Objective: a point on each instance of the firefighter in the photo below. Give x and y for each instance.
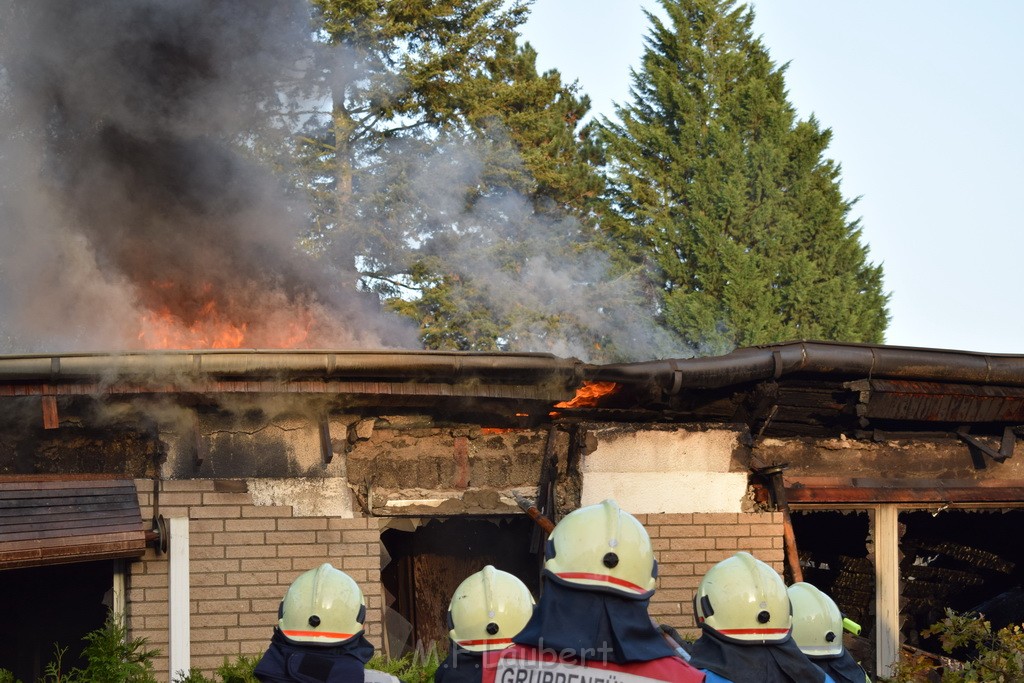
(319, 634)
(591, 621)
(743, 609)
(818, 632)
(486, 610)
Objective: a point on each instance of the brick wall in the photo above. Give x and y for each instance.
(242, 558)
(687, 545)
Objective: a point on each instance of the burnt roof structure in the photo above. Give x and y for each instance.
(800, 388)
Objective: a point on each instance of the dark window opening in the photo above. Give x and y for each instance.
(48, 607)
(968, 561)
(428, 564)
(835, 557)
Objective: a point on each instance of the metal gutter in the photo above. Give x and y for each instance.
(843, 361)
(830, 359)
(504, 368)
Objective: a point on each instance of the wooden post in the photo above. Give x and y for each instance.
(887, 588)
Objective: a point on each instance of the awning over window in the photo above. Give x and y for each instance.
(53, 520)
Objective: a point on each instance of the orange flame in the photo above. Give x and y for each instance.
(588, 395)
(163, 330)
(206, 325)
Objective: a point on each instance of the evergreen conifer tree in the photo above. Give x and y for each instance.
(726, 199)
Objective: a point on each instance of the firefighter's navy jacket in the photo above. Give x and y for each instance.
(287, 662)
(729, 662)
(588, 636)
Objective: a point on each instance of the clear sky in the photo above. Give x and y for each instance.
(924, 98)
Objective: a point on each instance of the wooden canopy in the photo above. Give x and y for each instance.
(54, 520)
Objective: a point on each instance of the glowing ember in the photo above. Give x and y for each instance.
(589, 394)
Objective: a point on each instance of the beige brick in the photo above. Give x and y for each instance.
(206, 552)
(726, 543)
(219, 648)
(302, 524)
(206, 579)
(671, 519)
(264, 550)
(290, 537)
(221, 606)
(247, 633)
(268, 607)
(266, 591)
(687, 531)
(677, 557)
(360, 563)
(720, 530)
(217, 512)
(352, 523)
(208, 634)
(250, 578)
(371, 536)
(715, 518)
(240, 538)
(691, 543)
(266, 564)
(148, 580)
(200, 566)
(205, 538)
(306, 551)
(266, 511)
(225, 592)
(249, 524)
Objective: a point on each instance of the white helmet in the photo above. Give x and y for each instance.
(744, 600)
(488, 609)
(322, 606)
(817, 621)
(602, 547)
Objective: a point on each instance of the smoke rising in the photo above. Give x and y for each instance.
(129, 214)
(133, 214)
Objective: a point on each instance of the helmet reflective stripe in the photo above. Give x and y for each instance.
(754, 631)
(491, 643)
(601, 580)
(487, 609)
(318, 635)
(602, 547)
(817, 621)
(743, 599)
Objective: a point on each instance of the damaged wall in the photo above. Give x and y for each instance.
(653, 469)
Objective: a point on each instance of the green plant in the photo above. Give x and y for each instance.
(977, 654)
(194, 675)
(7, 676)
(239, 671)
(53, 672)
(110, 658)
(415, 667)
